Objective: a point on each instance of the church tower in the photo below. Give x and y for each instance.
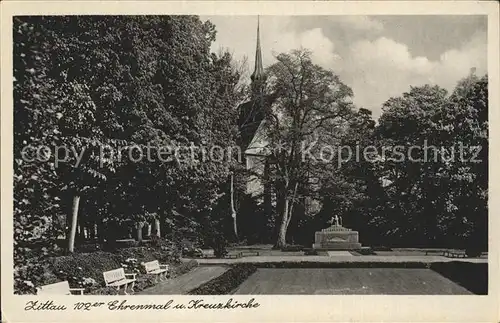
(258, 76)
(252, 111)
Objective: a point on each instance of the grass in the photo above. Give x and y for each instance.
(345, 281)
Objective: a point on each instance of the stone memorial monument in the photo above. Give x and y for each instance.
(336, 237)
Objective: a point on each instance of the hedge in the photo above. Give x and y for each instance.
(292, 247)
(227, 282)
(318, 264)
(472, 276)
(183, 268)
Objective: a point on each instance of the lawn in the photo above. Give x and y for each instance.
(345, 281)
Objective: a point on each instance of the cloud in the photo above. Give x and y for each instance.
(277, 36)
(363, 23)
(314, 40)
(383, 68)
(456, 63)
(374, 65)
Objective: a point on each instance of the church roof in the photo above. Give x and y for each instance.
(259, 144)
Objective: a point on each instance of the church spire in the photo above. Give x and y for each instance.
(258, 73)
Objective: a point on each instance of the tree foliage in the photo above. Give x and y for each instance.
(436, 193)
(103, 84)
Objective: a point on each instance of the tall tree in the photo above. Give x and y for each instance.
(124, 81)
(436, 193)
(309, 112)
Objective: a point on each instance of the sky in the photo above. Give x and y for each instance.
(377, 56)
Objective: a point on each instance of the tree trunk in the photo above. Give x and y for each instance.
(78, 234)
(93, 230)
(100, 232)
(281, 242)
(233, 211)
(149, 227)
(158, 227)
(140, 225)
(291, 205)
(268, 206)
(74, 222)
(81, 231)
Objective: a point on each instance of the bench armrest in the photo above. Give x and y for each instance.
(133, 275)
(80, 290)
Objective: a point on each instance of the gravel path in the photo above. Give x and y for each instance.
(181, 285)
(337, 259)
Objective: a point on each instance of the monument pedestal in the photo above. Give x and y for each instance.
(336, 237)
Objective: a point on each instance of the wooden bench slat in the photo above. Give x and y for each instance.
(114, 275)
(60, 288)
(118, 277)
(155, 268)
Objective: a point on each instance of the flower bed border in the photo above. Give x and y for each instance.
(227, 282)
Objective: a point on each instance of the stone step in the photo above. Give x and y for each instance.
(338, 245)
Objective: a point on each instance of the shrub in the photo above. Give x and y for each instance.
(227, 282)
(473, 252)
(381, 248)
(120, 244)
(84, 270)
(319, 264)
(292, 247)
(220, 247)
(472, 276)
(310, 252)
(132, 266)
(141, 254)
(33, 274)
(243, 242)
(89, 247)
(173, 255)
(215, 239)
(192, 252)
(183, 268)
(104, 291)
(78, 280)
(366, 251)
(86, 265)
(143, 282)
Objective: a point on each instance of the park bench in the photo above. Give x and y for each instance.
(155, 268)
(117, 278)
(234, 255)
(454, 254)
(60, 288)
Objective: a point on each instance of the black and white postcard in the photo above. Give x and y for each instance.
(249, 161)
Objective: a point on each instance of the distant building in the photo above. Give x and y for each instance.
(251, 123)
(254, 140)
